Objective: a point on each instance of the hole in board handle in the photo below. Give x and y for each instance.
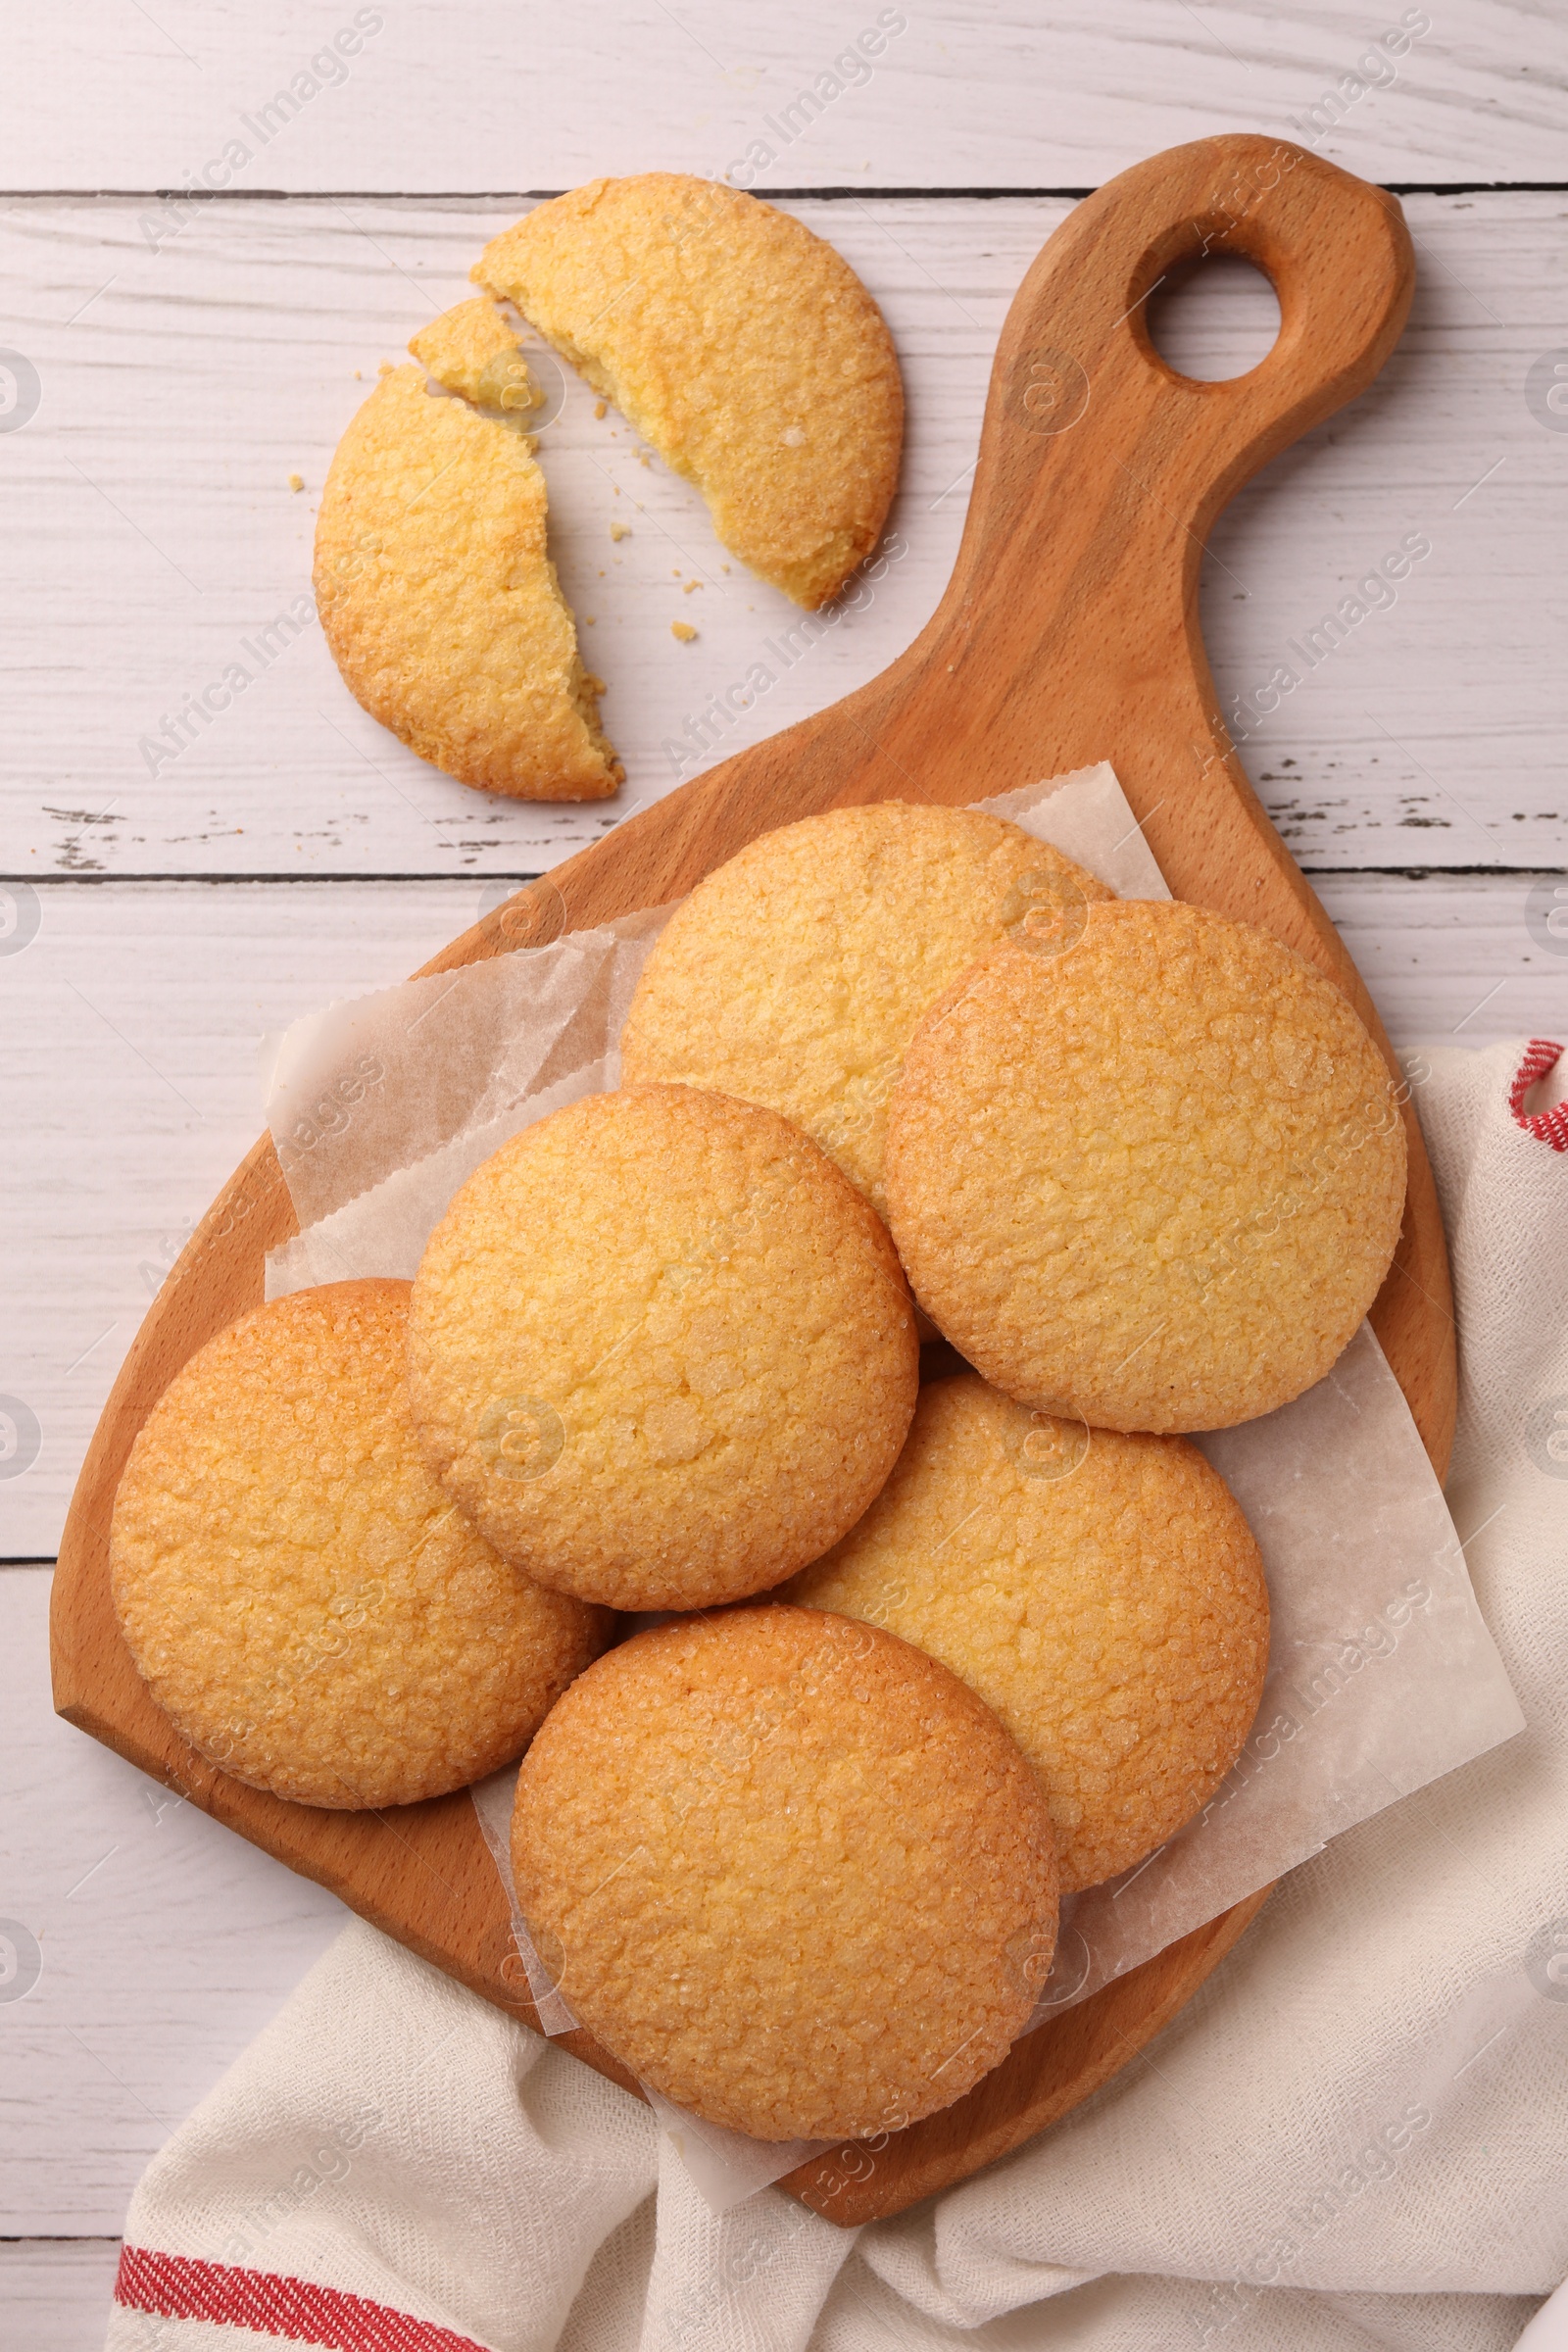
(1213, 317)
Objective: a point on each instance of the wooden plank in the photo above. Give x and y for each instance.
(960, 96)
(1451, 959)
(138, 1072)
(155, 542)
(134, 1016)
(55, 2294)
(167, 1944)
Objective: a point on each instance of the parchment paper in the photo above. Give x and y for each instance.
(1382, 1675)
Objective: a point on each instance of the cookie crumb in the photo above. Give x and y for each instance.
(601, 408)
(590, 621)
(689, 586)
(619, 530)
(683, 630)
(296, 481)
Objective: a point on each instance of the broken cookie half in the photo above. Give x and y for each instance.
(740, 345)
(436, 595)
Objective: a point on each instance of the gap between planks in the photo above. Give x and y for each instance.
(520, 875)
(826, 195)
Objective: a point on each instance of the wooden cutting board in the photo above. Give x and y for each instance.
(1068, 634)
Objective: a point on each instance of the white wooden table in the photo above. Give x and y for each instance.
(170, 902)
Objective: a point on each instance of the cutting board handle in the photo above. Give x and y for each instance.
(1098, 459)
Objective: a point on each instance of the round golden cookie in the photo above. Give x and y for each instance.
(797, 974)
(740, 345)
(436, 595)
(302, 1599)
(788, 1871)
(1154, 1178)
(661, 1351)
(1102, 1593)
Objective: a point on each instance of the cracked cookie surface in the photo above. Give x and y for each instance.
(301, 1595)
(741, 347)
(1102, 1593)
(789, 1870)
(1156, 1179)
(435, 589)
(661, 1351)
(796, 974)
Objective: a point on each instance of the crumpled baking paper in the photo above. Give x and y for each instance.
(1382, 1675)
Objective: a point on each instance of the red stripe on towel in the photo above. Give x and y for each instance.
(1550, 1126)
(174, 2286)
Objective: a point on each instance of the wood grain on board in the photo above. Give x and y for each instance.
(1069, 633)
